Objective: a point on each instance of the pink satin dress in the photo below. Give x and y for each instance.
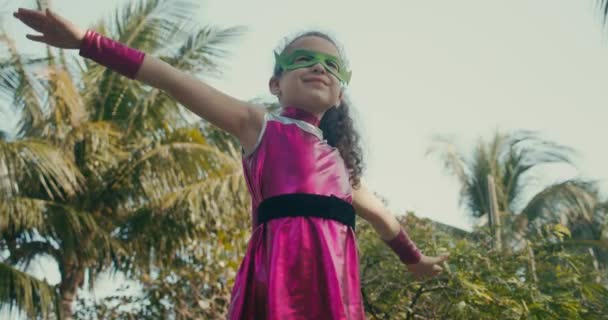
(297, 267)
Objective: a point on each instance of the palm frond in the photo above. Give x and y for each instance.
(180, 190)
(470, 173)
(19, 213)
(99, 148)
(604, 9)
(18, 84)
(525, 152)
(148, 26)
(65, 103)
(148, 232)
(20, 290)
(221, 139)
(181, 164)
(153, 110)
(77, 232)
(604, 208)
(34, 166)
(28, 251)
(513, 175)
(209, 197)
(563, 202)
(153, 172)
(155, 26)
(509, 159)
(483, 164)
(203, 51)
(452, 159)
(185, 215)
(82, 239)
(588, 243)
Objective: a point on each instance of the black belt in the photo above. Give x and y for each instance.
(307, 205)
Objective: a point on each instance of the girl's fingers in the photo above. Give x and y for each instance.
(35, 22)
(440, 259)
(31, 14)
(36, 25)
(54, 16)
(36, 38)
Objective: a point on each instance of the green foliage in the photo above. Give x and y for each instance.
(196, 285)
(21, 289)
(516, 161)
(545, 280)
(105, 173)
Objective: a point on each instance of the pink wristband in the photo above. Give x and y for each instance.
(405, 248)
(111, 54)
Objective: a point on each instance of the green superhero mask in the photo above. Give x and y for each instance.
(306, 58)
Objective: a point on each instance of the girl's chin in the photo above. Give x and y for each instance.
(319, 100)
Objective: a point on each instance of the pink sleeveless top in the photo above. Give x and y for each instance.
(292, 157)
(302, 267)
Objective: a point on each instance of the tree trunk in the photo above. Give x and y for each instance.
(494, 217)
(532, 261)
(72, 278)
(596, 265)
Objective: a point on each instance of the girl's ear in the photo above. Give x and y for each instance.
(340, 96)
(273, 86)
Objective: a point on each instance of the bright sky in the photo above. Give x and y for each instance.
(421, 68)
(461, 68)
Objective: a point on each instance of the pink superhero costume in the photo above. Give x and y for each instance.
(297, 267)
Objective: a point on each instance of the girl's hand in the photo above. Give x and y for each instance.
(428, 266)
(56, 31)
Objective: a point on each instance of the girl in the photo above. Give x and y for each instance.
(302, 168)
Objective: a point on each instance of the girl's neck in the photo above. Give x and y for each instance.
(301, 114)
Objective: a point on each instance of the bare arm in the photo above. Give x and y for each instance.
(237, 117)
(370, 208)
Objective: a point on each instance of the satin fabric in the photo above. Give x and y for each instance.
(111, 54)
(297, 267)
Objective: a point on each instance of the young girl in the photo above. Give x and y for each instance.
(302, 168)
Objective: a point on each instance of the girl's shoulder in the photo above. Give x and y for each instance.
(275, 126)
(280, 121)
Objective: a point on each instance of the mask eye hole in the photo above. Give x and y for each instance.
(302, 58)
(332, 64)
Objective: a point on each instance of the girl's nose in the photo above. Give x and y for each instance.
(318, 68)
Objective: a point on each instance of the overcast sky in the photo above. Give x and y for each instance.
(462, 68)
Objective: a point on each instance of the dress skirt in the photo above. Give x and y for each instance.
(299, 268)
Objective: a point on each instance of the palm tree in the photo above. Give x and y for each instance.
(107, 173)
(512, 161)
(604, 8)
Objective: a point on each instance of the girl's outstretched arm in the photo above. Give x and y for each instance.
(370, 208)
(237, 117)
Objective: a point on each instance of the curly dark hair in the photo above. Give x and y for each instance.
(337, 123)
